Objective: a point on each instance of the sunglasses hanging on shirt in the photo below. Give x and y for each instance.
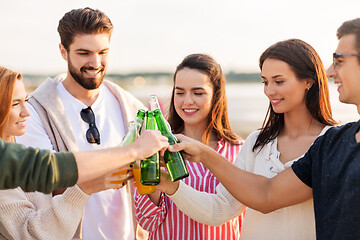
(92, 134)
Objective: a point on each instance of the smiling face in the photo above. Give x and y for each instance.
(346, 74)
(87, 59)
(284, 90)
(18, 112)
(193, 97)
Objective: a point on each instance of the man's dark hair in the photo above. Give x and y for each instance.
(351, 27)
(83, 21)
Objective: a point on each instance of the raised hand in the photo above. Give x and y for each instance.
(150, 142)
(191, 148)
(166, 185)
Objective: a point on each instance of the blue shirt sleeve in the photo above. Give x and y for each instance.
(306, 165)
(302, 169)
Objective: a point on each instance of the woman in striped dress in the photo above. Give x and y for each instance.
(299, 111)
(198, 109)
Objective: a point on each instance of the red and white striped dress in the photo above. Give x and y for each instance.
(166, 221)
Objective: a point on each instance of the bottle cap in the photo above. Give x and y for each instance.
(141, 113)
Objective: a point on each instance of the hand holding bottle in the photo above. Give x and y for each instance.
(124, 174)
(166, 185)
(150, 167)
(192, 149)
(140, 188)
(174, 162)
(149, 142)
(132, 133)
(109, 181)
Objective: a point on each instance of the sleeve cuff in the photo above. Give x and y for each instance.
(76, 197)
(67, 171)
(180, 192)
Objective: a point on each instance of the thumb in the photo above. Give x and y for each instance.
(180, 137)
(176, 147)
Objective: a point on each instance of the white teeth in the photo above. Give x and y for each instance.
(190, 110)
(338, 84)
(93, 72)
(275, 101)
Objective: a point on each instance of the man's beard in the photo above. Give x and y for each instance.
(87, 83)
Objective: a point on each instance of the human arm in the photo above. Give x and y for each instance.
(93, 164)
(255, 191)
(39, 216)
(34, 169)
(151, 210)
(41, 170)
(214, 206)
(207, 208)
(108, 181)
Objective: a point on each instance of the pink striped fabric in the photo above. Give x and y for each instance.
(166, 221)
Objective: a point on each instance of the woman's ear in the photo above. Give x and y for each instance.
(309, 84)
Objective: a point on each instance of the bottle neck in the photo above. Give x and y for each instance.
(160, 121)
(139, 120)
(150, 122)
(154, 103)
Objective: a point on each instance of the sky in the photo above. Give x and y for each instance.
(155, 35)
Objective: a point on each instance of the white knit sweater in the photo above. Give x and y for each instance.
(39, 216)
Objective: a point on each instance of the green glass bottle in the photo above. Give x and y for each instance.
(174, 161)
(132, 133)
(134, 128)
(150, 167)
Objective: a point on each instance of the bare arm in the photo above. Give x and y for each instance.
(94, 164)
(255, 191)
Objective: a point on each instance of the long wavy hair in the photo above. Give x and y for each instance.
(306, 64)
(7, 84)
(217, 119)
